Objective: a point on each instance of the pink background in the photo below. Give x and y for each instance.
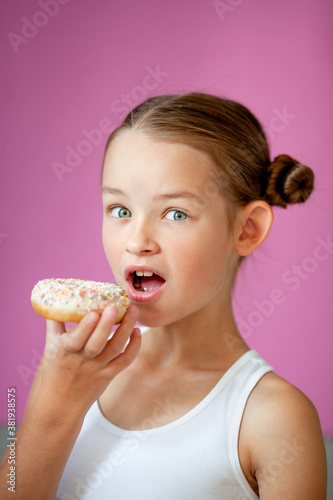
(77, 72)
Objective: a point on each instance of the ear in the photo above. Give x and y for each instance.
(255, 221)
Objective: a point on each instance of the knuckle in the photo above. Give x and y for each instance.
(70, 348)
(75, 338)
(69, 344)
(92, 349)
(117, 346)
(128, 356)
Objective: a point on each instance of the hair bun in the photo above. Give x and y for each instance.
(288, 181)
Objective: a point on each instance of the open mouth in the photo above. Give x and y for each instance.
(146, 281)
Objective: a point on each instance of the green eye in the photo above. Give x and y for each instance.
(176, 215)
(121, 212)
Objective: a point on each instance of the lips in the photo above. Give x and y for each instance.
(144, 283)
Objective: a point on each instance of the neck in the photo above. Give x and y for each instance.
(206, 339)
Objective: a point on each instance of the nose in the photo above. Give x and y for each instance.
(142, 239)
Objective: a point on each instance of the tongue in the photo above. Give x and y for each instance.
(150, 283)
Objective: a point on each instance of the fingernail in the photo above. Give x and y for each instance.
(137, 332)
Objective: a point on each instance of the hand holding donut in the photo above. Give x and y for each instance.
(78, 364)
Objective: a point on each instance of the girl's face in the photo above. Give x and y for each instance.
(164, 218)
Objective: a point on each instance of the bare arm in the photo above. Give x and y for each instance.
(75, 370)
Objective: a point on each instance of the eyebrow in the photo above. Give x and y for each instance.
(178, 194)
(110, 190)
(159, 197)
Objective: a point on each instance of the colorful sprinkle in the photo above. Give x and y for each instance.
(78, 294)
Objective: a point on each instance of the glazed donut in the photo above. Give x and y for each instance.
(70, 299)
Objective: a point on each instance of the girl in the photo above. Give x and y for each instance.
(187, 189)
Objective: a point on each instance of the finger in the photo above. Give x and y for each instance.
(53, 329)
(97, 341)
(127, 357)
(75, 340)
(55, 326)
(116, 345)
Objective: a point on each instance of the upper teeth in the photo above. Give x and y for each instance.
(144, 273)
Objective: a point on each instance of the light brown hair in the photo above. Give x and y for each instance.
(233, 139)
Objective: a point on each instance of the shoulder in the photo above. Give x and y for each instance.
(283, 442)
(274, 395)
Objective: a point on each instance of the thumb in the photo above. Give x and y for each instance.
(53, 330)
(55, 327)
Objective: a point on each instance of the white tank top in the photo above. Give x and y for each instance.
(193, 458)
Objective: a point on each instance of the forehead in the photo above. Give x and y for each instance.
(136, 154)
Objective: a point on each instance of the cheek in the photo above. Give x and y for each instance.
(202, 261)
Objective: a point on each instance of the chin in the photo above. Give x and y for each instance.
(153, 317)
